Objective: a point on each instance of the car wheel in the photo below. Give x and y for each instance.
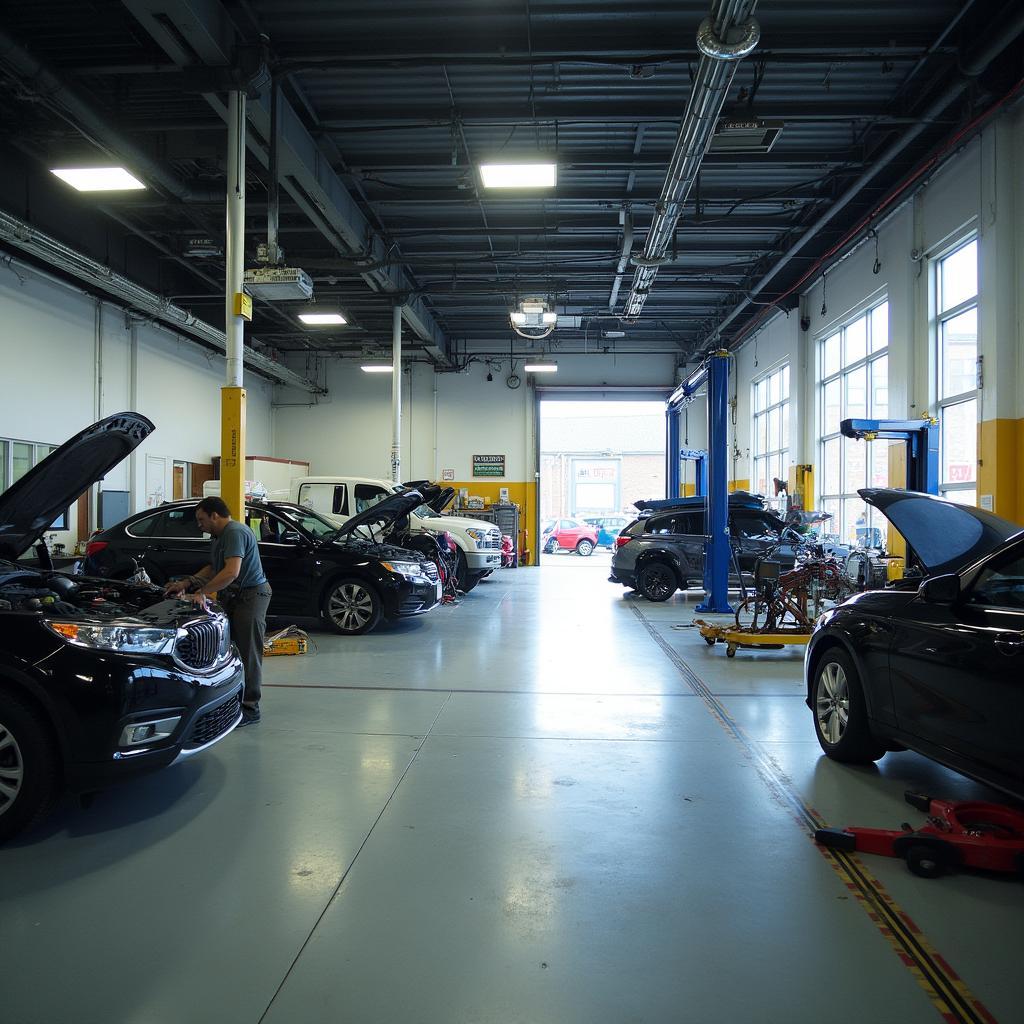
(928, 860)
(656, 581)
(352, 607)
(29, 768)
(840, 713)
(584, 548)
(551, 547)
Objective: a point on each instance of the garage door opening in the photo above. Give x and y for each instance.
(596, 459)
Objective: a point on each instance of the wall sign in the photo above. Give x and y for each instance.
(488, 465)
(447, 474)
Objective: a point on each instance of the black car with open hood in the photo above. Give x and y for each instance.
(351, 576)
(932, 663)
(99, 680)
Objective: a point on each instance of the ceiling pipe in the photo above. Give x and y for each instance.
(54, 92)
(724, 38)
(974, 64)
(626, 222)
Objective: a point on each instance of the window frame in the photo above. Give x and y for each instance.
(763, 413)
(40, 450)
(939, 318)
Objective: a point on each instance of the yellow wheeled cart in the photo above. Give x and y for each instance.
(735, 637)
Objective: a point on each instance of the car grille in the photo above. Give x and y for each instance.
(430, 571)
(492, 542)
(214, 723)
(203, 644)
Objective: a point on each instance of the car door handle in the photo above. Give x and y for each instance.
(1009, 643)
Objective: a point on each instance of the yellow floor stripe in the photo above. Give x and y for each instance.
(948, 993)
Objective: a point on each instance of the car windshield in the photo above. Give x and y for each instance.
(425, 512)
(311, 522)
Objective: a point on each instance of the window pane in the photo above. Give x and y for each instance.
(760, 393)
(959, 354)
(878, 464)
(831, 454)
(21, 460)
(880, 388)
(958, 276)
(880, 327)
(856, 341)
(785, 425)
(774, 383)
(853, 510)
(831, 526)
(3, 466)
(855, 464)
(761, 476)
(832, 407)
(856, 394)
(785, 381)
(959, 442)
(831, 355)
(774, 430)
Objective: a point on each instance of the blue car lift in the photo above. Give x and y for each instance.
(699, 458)
(922, 440)
(714, 372)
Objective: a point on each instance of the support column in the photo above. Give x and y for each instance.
(719, 552)
(232, 441)
(396, 393)
(672, 476)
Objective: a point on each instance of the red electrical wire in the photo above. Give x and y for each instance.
(921, 169)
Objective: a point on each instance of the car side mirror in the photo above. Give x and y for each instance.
(291, 537)
(941, 589)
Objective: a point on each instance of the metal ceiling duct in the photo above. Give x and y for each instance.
(724, 38)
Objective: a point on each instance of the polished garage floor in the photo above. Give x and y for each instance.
(547, 804)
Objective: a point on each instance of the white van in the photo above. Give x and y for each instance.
(341, 497)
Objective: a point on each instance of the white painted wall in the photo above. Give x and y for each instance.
(57, 380)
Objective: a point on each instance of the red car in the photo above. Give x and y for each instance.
(570, 534)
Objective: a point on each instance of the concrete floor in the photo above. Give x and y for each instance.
(519, 809)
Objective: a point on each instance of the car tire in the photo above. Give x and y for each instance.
(840, 712)
(585, 548)
(352, 607)
(464, 580)
(551, 547)
(657, 581)
(29, 767)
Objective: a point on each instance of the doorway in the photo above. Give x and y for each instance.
(596, 457)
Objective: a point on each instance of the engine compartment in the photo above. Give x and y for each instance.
(32, 590)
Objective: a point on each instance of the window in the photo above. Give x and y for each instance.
(178, 523)
(16, 459)
(751, 526)
(956, 360)
(771, 432)
(1001, 585)
(368, 495)
(142, 527)
(853, 383)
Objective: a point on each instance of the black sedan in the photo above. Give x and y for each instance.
(99, 681)
(315, 567)
(934, 663)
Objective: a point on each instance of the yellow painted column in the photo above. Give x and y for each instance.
(232, 448)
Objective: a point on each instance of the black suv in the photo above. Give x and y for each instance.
(315, 568)
(662, 552)
(99, 681)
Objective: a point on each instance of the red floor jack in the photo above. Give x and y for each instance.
(957, 834)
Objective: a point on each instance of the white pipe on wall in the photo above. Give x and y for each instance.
(396, 393)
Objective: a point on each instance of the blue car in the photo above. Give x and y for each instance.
(608, 528)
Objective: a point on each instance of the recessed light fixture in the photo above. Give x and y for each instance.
(541, 367)
(98, 179)
(322, 319)
(518, 175)
(377, 368)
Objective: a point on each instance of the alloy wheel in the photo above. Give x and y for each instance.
(833, 702)
(12, 769)
(659, 582)
(351, 606)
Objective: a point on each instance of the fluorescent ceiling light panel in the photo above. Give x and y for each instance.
(541, 367)
(377, 368)
(98, 179)
(518, 175)
(322, 319)
(517, 318)
(549, 318)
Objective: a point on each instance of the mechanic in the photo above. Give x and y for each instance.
(235, 574)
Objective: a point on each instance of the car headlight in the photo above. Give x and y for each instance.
(477, 535)
(126, 639)
(406, 569)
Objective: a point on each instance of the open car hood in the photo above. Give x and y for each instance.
(945, 537)
(28, 507)
(436, 498)
(385, 512)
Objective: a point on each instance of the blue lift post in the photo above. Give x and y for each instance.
(922, 438)
(718, 552)
(699, 458)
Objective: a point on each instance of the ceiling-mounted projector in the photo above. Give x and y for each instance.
(278, 284)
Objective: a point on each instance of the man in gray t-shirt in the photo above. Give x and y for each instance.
(235, 574)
